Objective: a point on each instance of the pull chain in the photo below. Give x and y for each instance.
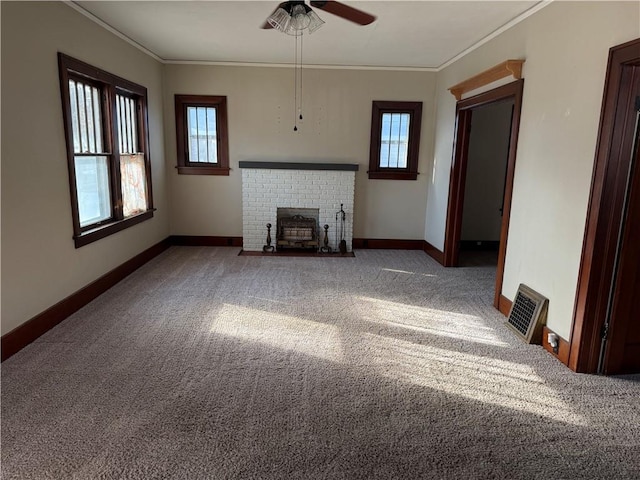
(297, 71)
(300, 109)
(295, 87)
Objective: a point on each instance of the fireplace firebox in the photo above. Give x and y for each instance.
(297, 228)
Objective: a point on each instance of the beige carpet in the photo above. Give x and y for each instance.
(208, 365)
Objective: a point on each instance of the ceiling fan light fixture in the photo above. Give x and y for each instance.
(279, 19)
(299, 18)
(293, 18)
(315, 22)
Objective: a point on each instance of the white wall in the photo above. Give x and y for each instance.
(40, 265)
(486, 167)
(336, 128)
(566, 47)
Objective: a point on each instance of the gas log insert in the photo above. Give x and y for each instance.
(297, 230)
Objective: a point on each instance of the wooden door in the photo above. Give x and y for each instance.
(622, 347)
(607, 283)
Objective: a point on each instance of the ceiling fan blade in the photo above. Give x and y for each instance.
(344, 11)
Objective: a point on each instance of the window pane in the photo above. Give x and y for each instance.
(212, 144)
(394, 140)
(134, 184)
(385, 138)
(127, 124)
(404, 140)
(91, 134)
(192, 128)
(120, 123)
(82, 119)
(201, 126)
(92, 189)
(97, 120)
(86, 117)
(133, 121)
(203, 155)
(73, 101)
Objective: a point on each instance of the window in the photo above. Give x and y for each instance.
(395, 140)
(201, 135)
(107, 148)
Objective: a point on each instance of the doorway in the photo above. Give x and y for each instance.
(459, 229)
(484, 185)
(606, 329)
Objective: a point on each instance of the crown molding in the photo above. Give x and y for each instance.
(106, 26)
(291, 65)
(536, 8)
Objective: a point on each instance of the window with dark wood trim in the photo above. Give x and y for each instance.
(201, 135)
(107, 137)
(395, 140)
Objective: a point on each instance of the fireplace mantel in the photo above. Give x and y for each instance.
(341, 167)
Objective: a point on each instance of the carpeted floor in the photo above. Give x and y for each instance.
(208, 365)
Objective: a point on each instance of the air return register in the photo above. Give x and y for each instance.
(528, 314)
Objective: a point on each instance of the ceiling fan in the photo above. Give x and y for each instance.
(294, 17)
(331, 6)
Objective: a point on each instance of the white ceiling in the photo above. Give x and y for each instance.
(406, 34)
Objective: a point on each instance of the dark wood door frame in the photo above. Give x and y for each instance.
(464, 110)
(604, 215)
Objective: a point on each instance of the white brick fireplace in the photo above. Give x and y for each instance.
(267, 186)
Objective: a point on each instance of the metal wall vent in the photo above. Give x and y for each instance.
(528, 315)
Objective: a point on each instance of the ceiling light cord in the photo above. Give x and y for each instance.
(293, 18)
(295, 86)
(297, 72)
(301, 97)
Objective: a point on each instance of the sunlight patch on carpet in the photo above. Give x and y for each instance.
(280, 331)
(428, 320)
(484, 379)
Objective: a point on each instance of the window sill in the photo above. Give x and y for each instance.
(90, 236)
(382, 175)
(203, 170)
